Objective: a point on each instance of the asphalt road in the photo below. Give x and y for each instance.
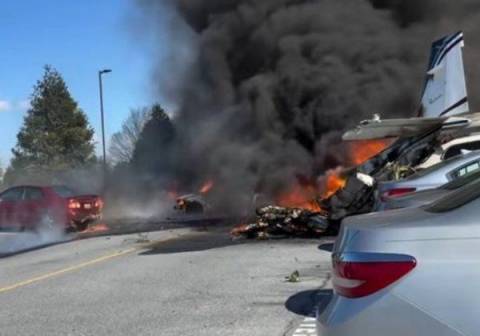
(175, 282)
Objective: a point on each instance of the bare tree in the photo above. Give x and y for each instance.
(122, 143)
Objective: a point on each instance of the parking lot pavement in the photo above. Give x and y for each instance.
(176, 282)
(12, 242)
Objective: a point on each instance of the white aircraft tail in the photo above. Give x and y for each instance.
(445, 91)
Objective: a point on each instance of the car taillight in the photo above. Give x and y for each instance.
(397, 192)
(99, 203)
(72, 204)
(360, 274)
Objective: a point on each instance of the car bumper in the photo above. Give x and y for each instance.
(378, 315)
(82, 218)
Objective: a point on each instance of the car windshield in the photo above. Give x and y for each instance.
(456, 198)
(63, 191)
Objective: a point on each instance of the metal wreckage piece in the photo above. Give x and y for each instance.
(191, 204)
(356, 197)
(280, 221)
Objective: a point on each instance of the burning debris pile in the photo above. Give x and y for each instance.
(305, 211)
(278, 221)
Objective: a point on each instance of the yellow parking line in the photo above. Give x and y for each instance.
(65, 270)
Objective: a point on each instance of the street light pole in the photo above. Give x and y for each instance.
(100, 73)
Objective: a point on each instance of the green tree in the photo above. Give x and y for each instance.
(152, 153)
(55, 136)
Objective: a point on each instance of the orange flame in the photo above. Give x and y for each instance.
(206, 187)
(305, 196)
(300, 196)
(362, 150)
(97, 228)
(333, 182)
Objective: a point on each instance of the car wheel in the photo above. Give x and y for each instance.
(81, 226)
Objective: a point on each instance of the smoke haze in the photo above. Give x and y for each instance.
(265, 89)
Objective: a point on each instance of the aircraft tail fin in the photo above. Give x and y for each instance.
(445, 90)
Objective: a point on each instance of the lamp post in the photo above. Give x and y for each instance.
(100, 73)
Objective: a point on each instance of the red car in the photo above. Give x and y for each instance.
(32, 207)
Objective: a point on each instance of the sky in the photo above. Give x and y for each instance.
(78, 38)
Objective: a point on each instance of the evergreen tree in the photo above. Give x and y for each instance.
(153, 149)
(55, 136)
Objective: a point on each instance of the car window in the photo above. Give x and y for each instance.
(432, 168)
(12, 195)
(468, 168)
(33, 194)
(457, 149)
(456, 198)
(461, 181)
(63, 191)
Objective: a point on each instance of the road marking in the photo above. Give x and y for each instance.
(306, 328)
(66, 270)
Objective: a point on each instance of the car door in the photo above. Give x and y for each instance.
(31, 207)
(3, 208)
(9, 202)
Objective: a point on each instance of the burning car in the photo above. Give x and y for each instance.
(191, 204)
(36, 208)
(194, 203)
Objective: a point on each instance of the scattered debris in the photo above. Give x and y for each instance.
(278, 221)
(294, 277)
(143, 238)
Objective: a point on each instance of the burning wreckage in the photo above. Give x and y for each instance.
(358, 193)
(443, 115)
(192, 204)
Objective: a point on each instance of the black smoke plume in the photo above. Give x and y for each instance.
(265, 89)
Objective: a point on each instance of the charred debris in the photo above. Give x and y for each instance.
(356, 196)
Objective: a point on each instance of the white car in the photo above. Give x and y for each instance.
(412, 271)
